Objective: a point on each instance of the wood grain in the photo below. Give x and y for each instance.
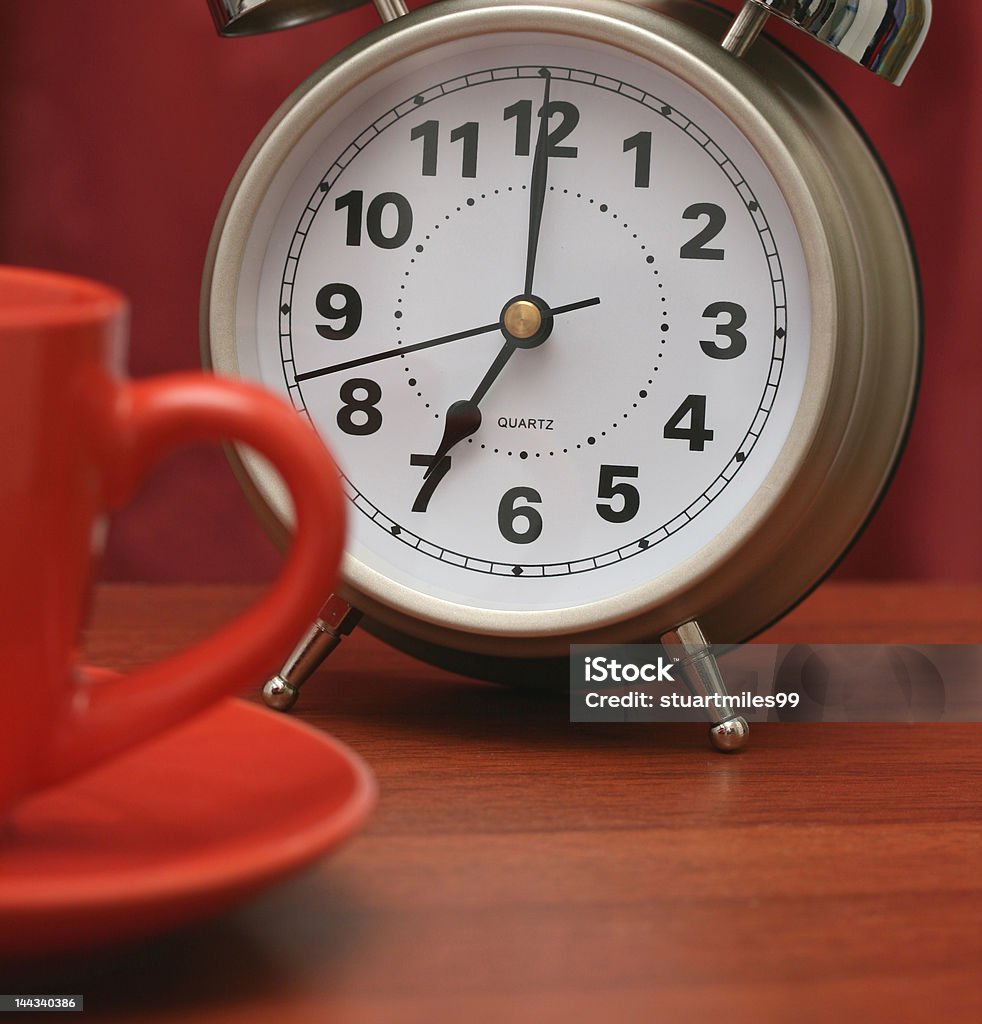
(520, 868)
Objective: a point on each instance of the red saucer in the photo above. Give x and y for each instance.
(179, 829)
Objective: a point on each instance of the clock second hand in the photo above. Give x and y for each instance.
(445, 339)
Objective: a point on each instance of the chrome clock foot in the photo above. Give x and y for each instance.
(335, 621)
(696, 664)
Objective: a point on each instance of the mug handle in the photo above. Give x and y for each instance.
(146, 420)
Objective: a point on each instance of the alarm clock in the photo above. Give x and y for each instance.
(606, 309)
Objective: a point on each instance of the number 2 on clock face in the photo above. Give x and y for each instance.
(550, 310)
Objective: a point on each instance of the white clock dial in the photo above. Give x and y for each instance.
(670, 285)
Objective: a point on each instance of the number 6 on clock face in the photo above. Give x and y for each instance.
(565, 307)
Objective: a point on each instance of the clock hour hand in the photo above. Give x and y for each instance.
(464, 417)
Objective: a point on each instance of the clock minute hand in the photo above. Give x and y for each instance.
(537, 186)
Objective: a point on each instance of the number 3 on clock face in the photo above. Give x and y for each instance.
(550, 306)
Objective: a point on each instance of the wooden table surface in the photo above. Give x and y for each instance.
(522, 869)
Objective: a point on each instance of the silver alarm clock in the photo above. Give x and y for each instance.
(606, 310)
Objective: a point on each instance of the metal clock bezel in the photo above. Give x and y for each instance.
(854, 412)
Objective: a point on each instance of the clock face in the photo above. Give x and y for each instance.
(547, 380)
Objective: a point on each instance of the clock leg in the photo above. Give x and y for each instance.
(746, 27)
(334, 622)
(389, 10)
(697, 665)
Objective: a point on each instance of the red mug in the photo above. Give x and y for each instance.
(75, 440)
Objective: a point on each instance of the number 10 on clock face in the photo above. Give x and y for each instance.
(549, 308)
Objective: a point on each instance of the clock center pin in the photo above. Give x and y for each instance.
(522, 319)
(526, 321)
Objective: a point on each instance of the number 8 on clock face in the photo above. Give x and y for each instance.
(587, 316)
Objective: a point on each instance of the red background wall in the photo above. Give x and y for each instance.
(121, 124)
